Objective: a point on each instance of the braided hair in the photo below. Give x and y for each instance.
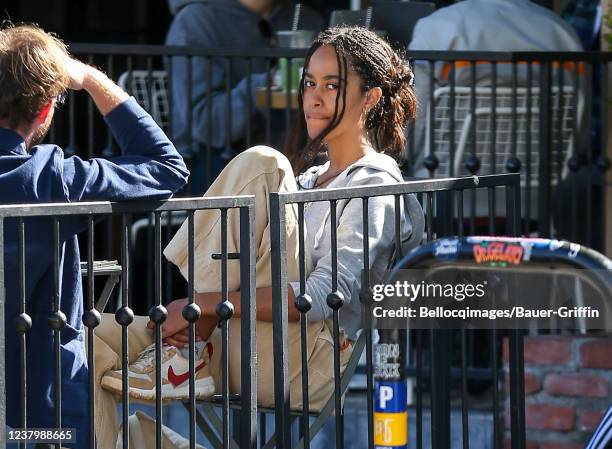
(377, 65)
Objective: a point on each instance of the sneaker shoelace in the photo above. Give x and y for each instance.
(146, 359)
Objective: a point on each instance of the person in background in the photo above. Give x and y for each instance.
(222, 24)
(481, 25)
(35, 72)
(585, 16)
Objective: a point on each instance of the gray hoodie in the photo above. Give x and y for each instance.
(373, 168)
(221, 24)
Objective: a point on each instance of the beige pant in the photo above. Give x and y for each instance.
(257, 171)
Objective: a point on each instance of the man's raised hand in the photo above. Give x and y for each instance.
(77, 71)
(104, 92)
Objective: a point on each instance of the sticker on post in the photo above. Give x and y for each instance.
(447, 248)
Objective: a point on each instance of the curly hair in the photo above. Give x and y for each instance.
(32, 72)
(377, 65)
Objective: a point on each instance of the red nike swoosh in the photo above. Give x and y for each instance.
(177, 379)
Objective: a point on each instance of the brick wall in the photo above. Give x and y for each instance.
(568, 387)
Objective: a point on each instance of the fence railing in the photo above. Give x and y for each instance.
(443, 203)
(542, 114)
(56, 226)
(437, 197)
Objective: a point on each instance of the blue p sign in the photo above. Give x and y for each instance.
(390, 415)
(385, 394)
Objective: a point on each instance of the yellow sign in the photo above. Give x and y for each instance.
(391, 429)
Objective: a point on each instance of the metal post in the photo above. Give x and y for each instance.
(544, 200)
(515, 337)
(517, 389)
(278, 243)
(2, 343)
(390, 409)
(248, 387)
(440, 388)
(366, 307)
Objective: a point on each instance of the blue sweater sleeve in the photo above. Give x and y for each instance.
(149, 166)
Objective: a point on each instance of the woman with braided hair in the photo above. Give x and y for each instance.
(380, 103)
(355, 97)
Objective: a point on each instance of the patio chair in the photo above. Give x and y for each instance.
(112, 270)
(527, 121)
(150, 89)
(527, 135)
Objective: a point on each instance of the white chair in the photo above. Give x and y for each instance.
(150, 89)
(562, 119)
(112, 270)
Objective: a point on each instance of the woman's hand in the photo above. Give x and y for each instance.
(175, 322)
(175, 330)
(181, 338)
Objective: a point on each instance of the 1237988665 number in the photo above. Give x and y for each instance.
(41, 435)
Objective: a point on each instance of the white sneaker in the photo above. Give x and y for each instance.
(174, 371)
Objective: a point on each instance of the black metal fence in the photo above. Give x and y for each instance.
(428, 360)
(543, 114)
(16, 219)
(236, 100)
(562, 165)
(443, 203)
(437, 195)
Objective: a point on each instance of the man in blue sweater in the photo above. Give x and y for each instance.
(35, 72)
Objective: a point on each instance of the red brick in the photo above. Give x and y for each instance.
(543, 350)
(532, 384)
(596, 354)
(589, 419)
(551, 445)
(579, 385)
(505, 350)
(548, 350)
(529, 445)
(549, 417)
